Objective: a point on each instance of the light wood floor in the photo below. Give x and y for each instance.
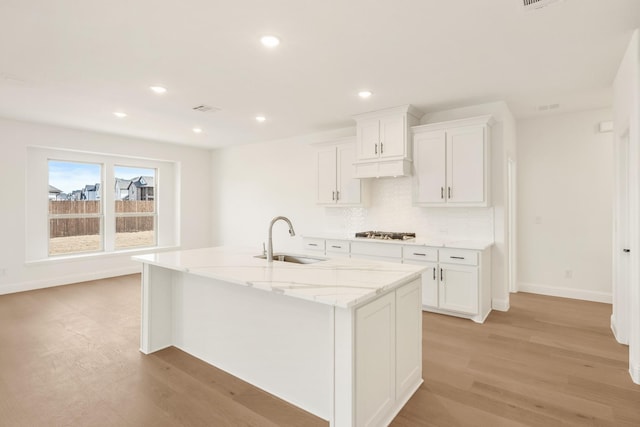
(69, 357)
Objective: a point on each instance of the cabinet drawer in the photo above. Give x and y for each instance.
(419, 253)
(312, 244)
(458, 256)
(376, 249)
(337, 246)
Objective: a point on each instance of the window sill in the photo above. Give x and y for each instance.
(99, 255)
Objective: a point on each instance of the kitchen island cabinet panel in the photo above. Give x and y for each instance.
(320, 336)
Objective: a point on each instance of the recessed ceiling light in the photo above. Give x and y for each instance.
(158, 89)
(197, 130)
(261, 118)
(120, 114)
(365, 93)
(270, 41)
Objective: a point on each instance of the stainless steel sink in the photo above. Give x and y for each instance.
(296, 259)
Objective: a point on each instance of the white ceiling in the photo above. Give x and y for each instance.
(74, 63)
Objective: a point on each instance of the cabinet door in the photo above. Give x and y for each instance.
(430, 168)
(326, 176)
(465, 165)
(348, 187)
(368, 139)
(408, 339)
(392, 136)
(458, 289)
(429, 282)
(375, 360)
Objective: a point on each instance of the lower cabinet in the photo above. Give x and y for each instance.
(457, 282)
(388, 353)
(458, 288)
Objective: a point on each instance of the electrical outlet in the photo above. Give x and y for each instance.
(568, 274)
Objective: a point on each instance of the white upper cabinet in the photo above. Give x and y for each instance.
(336, 184)
(451, 162)
(384, 143)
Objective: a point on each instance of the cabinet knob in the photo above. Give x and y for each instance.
(626, 250)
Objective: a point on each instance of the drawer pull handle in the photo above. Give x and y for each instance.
(441, 279)
(457, 257)
(337, 247)
(416, 253)
(313, 244)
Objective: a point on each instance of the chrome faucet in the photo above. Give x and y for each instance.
(270, 245)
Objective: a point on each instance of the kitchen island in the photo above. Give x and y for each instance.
(340, 338)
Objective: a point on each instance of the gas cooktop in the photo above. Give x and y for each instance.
(385, 235)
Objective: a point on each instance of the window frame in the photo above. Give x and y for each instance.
(166, 198)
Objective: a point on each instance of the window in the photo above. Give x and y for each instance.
(75, 209)
(135, 207)
(86, 204)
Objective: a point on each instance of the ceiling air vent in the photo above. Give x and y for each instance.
(537, 4)
(206, 108)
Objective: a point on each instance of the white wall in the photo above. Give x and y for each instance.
(256, 182)
(625, 320)
(15, 136)
(565, 176)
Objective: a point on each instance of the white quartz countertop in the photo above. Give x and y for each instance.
(478, 245)
(341, 282)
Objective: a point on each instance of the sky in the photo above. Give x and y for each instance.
(69, 176)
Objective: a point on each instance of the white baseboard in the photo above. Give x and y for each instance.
(67, 280)
(582, 294)
(634, 371)
(500, 304)
(615, 332)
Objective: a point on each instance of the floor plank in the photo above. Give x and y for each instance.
(69, 356)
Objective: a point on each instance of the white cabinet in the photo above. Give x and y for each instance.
(388, 354)
(313, 244)
(382, 138)
(337, 248)
(336, 184)
(375, 348)
(458, 289)
(376, 251)
(451, 163)
(456, 282)
(383, 142)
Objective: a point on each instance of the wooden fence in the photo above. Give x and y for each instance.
(65, 227)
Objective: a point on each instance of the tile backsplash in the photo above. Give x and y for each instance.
(390, 209)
